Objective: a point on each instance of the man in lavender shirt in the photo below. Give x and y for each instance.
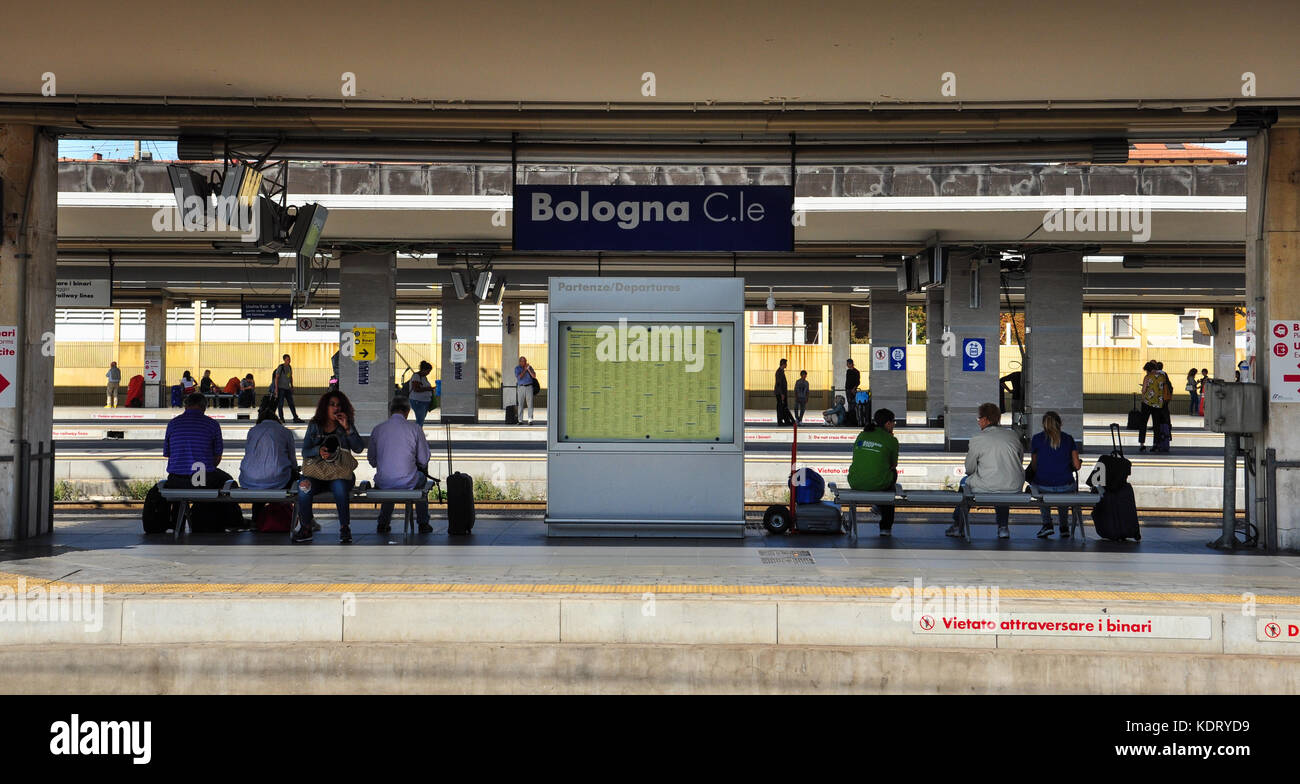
(399, 454)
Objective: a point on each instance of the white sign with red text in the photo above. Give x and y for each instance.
(1284, 361)
(1180, 627)
(8, 367)
(1277, 630)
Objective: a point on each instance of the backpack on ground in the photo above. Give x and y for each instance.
(1115, 515)
(215, 517)
(158, 515)
(460, 497)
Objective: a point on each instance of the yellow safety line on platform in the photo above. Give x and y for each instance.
(9, 581)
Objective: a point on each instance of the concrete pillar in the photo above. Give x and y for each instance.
(367, 298)
(1225, 344)
(1053, 373)
(840, 339)
(934, 383)
(509, 350)
(157, 393)
(964, 389)
(460, 379)
(27, 261)
(1272, 280)
(888, 331)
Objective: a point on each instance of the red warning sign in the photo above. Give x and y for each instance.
(1278, 630)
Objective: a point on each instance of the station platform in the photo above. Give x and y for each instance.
(506, 609)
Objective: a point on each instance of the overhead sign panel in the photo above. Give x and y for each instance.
(82, 293)
(266, 310)
(653, 218)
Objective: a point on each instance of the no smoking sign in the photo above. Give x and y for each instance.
(1284, 367)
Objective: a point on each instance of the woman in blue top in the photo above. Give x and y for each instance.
(1055, 458)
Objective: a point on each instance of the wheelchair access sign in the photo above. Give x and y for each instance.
(972, 351)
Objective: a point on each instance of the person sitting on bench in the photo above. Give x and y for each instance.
(270, 454)
(400, 456)
(875, 463)
(994, 464)
(192, 445)
(1053, 461)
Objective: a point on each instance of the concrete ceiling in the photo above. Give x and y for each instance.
(588, 51)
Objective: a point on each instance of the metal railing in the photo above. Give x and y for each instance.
(1271, 465)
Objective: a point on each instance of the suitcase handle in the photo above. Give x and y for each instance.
(1116, 446)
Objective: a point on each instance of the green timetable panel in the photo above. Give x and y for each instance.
(644, 382)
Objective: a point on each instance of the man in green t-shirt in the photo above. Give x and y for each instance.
(875, 462)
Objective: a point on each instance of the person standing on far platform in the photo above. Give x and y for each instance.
(782, 391)
(801, 396)
(114, 376)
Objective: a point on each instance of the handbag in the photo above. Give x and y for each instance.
(340, 466)
(537, 386)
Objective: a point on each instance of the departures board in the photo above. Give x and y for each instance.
(663, 382)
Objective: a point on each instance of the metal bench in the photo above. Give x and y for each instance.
(963, 502)
(185, 497)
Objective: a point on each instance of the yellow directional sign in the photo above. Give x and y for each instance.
(363, 343)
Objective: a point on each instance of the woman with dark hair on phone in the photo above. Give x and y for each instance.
(328, 463)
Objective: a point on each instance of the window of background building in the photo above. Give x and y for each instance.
(1121, 325)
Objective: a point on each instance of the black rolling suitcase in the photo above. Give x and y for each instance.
(1115, 515)
(512, 415)
(1135, 415)
(460, 497)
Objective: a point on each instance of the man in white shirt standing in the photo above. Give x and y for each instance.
(400, 456)
(994, 464)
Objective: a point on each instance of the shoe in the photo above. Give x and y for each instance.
(425, 528)
(1065, 533)
(885, 532)
(303, 534)
(384, 529)
(953, 530)
(345, 535)
(1043, 532)
(1142, 448)
(1004, 532)
(315, 526)
(297, 421)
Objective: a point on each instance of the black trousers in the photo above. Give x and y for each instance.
(1158, 416)
(286, 396)
(783, 416)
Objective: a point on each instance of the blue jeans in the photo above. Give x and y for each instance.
(340, 488)
(1062, 511)
(421, 409)
(1001, 513)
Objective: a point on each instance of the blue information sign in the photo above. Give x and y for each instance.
(897, 358)
(654, 217)
(972, 355)
(266, 310)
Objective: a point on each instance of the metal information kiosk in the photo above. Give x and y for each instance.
(645, 435)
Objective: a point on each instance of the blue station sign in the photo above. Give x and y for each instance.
(653, 218)
(266, 310)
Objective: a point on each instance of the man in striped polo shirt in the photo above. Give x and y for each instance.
(193, 447)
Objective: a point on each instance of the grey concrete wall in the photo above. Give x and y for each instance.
(1225, 346)
(27, 264)
(1054, 341)
(965, 390)
(888, 329)
(841, 336)
(460, 380)
(157, 395)
(367, 291)
(462, 179)
(934, 380)
(510, 350)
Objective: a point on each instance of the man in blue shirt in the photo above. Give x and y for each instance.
(193, 447)
(400, 456)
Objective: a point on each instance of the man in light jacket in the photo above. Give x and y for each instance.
(400, 456)
(994, 464)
